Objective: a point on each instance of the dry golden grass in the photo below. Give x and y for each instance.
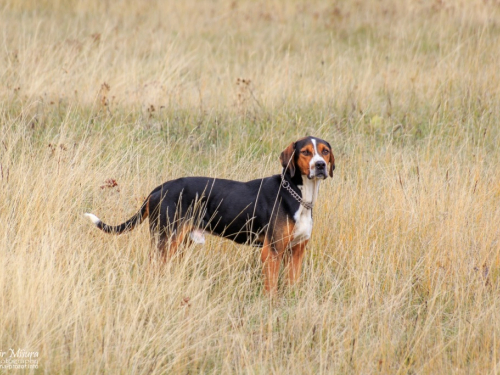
(403, 271)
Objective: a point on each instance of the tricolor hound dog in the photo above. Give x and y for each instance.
(274, 213)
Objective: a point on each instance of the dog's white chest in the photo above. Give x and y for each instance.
(303, 225)
(303, 216)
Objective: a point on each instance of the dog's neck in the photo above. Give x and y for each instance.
(303, 216)
(309, 189)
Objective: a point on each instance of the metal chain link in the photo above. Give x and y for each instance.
(298, 198)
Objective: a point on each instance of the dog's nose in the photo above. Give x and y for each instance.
(320, 165)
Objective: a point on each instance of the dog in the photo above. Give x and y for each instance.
(274, 213)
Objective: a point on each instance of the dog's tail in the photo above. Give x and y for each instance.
(130, 224)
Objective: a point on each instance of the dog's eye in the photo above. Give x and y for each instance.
(325, 152)
(305, 152)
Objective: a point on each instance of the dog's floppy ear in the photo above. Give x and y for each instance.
(286, 159)
(331, 161)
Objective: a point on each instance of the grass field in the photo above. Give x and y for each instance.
(402, 275)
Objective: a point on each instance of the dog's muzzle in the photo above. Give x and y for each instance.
(319, 170)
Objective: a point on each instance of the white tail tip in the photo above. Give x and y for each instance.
(93, 218)
(198, 236)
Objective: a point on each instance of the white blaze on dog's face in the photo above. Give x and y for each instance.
(317, 165)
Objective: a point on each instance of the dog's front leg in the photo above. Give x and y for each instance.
(271, 260)
(272, 254)
(293, 262)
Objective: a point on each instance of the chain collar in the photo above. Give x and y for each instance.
(298, 198)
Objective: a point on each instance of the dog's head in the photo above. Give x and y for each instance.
(308, 156)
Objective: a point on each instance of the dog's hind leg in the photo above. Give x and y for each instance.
(180, 237)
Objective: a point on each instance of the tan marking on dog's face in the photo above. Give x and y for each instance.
(324, 151)
(305, 154)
